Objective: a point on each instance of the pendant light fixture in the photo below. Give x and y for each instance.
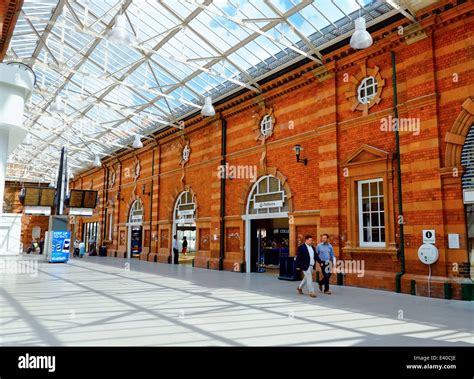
(137, 143)
(361, 38)
(119, 33)
(58, 106)
(28, 141)
(208, 110)
(97, 162)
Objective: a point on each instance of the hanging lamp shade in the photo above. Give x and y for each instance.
(28, 141)
(361, 38)
(58, 106)
(137, 143)
(119, 33)
(97, 162)
(208, 110)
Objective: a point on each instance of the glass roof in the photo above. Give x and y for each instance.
(180, 52)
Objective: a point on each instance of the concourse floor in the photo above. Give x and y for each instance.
(101, 301)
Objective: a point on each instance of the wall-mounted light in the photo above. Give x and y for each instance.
(143, 191)
(298, 149)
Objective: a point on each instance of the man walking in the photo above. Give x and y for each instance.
(306, 259)
(326, 256)
(175, 250)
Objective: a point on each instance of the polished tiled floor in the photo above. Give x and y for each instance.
(108, 301)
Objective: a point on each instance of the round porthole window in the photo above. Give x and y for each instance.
(266, 125)
(186, 152)
(367, 90)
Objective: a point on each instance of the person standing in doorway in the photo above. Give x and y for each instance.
(306, 259)
(41, 245)
(175, 250)
(326, 256)
(185, 246)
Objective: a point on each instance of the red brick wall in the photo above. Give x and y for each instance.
(311, 108)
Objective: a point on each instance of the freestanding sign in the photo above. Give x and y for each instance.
(60, 244)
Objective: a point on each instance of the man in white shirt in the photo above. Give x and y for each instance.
(175, 250)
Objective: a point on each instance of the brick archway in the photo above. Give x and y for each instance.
(263, 172)
(455, 137)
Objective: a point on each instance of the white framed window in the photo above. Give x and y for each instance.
(371, 213)
(267, 196)
(185, 208)
(367, 90)
(266, 125)
(136, 212)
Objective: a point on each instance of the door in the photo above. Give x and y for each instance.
(258, 233)
(136, 241)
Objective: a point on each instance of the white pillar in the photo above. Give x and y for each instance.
(3, 164)
(16, 85)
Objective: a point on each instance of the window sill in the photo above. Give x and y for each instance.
(392, 251)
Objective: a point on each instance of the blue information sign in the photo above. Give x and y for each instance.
(61, 242)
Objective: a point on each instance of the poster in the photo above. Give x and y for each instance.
(60, 245)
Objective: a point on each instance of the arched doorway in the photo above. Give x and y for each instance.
(467, 161)
(135, 229)
(184, 225)
(266, 225)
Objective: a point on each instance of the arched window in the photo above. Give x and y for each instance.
(267, 196)
(185, 208)
(467, 160)
(136, 212)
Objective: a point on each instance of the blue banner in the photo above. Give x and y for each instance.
(61, 242)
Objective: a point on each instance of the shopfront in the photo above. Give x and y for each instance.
(90, 232)
(184, 225)
(266, 222)
(135, 230)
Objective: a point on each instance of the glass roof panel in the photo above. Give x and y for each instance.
(179, 52)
